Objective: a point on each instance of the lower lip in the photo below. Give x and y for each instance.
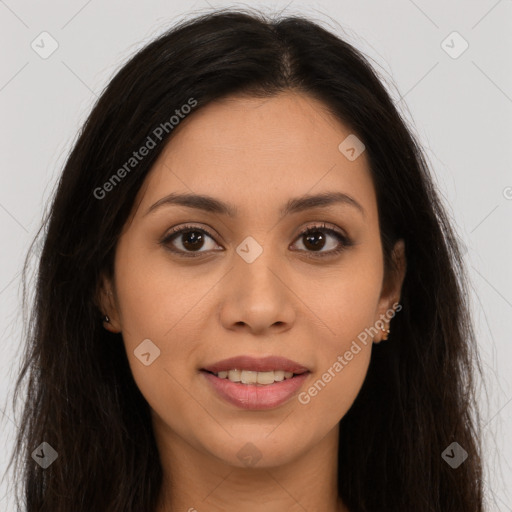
(250, 396)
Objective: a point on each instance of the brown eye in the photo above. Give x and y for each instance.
(189, 240)
(192, 240)
(316, 238)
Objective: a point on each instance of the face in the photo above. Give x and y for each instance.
(268, 274)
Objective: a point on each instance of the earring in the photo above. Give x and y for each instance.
(106, 319)
(386, 333)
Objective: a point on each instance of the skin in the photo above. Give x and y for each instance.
(256, 154)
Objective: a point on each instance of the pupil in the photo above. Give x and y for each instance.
(193, 240)
(319, 243)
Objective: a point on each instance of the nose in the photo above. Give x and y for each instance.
(257, 298)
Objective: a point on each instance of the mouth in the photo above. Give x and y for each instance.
(255, 383)
(256, 391)
(279, 366)
(256, 378)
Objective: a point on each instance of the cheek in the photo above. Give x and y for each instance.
(342, 364)
(343, 353)
(155, 299)
(345, 299)
(156, 310)
(346, 302)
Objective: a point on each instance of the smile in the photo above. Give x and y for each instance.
(255, 390)
(252, 377)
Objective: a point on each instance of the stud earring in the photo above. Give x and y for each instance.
(106, 319)
(386, 333)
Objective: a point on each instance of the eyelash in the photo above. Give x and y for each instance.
(344, 241)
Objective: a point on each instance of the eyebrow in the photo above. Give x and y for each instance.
(298, 204)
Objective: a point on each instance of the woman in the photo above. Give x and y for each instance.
(249, 296)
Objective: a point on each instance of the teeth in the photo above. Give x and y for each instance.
(233, 375)
(265, 377)
(248, 377)
(279, 375)
(251, 377)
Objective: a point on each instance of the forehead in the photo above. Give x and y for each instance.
(256, 151)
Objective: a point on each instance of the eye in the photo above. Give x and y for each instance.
(316, 238)
(188, 240)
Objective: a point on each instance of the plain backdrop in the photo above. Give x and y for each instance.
(458, 101)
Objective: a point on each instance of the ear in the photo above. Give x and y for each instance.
(106, 301)
(391, 290)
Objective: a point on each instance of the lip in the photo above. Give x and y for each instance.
(250, 396)
(262, 364)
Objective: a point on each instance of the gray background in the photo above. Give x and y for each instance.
(460, 108)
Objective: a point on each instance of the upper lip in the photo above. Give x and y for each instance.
(262, 364)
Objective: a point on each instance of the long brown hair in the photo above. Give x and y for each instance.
(418, 397)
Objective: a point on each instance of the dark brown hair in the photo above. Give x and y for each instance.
(418, 396)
